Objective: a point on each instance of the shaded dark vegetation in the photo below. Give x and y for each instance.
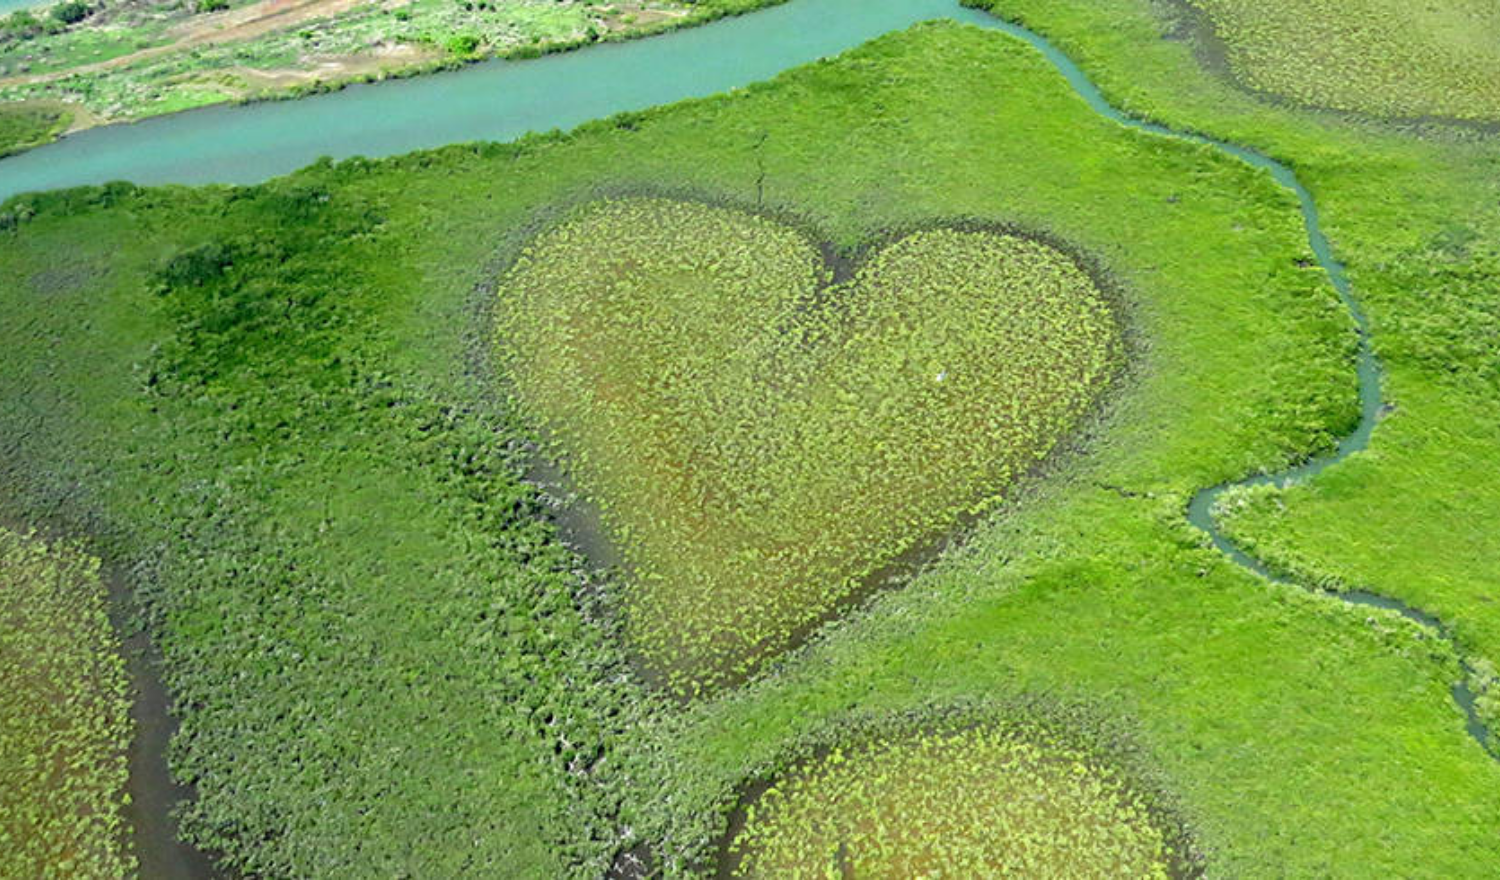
(234, 318)
(24, 24)
(71, 11)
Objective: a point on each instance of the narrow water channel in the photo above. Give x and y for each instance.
(1367, 371)
(499, 101)
(154, 794)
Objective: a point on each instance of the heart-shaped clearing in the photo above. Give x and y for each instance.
(760, 440)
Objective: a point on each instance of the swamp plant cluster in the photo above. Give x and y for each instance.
(987, 800)
(64, 716)
(26, 125)
(763, 437)
(1387, 58)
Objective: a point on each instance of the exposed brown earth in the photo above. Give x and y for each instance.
(232, 26)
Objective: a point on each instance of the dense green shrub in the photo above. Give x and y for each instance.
(23, 125)
(463, 44)
(71, 11)
(21, 23)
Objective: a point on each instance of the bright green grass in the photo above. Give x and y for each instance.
(64, 717)
(197, 95)
(1427, 483)
(1340, 532)
(979, 802)
(279, 397)
(80, 45)
(1415, 218)
(1391, 58)
(762, 438)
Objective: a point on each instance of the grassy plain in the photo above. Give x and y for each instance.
(1413, 210)
(259, 396)
(1388, 58)
(64, 717)
(763, 437)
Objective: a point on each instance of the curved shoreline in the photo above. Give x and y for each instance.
(87, 120)
(161, 852)
(491, 101)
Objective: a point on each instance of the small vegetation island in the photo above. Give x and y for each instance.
(1052, 438)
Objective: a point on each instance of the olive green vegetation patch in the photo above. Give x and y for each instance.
(64, 717)
(27, 125)
(761, 436)
(982, 801)
(1390, 58)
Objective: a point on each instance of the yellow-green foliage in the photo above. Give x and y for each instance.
(25, 125)
(980, 802)
(1386, 57)
(762, 439)
(64, 717)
